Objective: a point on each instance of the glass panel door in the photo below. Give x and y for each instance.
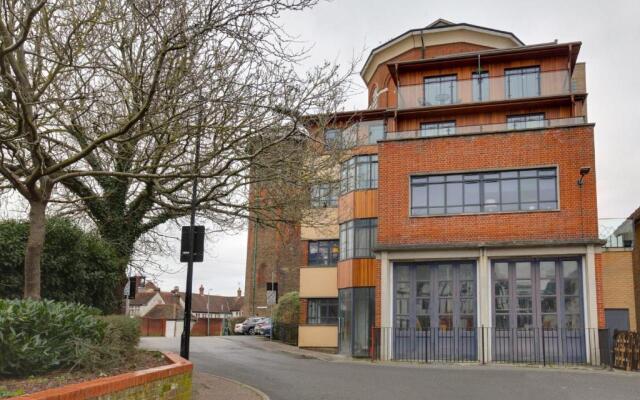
(344, 321)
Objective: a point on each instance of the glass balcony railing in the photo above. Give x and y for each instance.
(475, 129)
(447, 90)
(360, 134)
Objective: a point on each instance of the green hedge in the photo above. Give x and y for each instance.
(39, 336)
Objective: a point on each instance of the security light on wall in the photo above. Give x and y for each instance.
(583, 172)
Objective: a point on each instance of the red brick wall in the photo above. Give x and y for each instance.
(568, 148)
(303, 311)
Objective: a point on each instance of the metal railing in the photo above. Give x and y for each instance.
(286, 333)
(486, 128)
(537, 346)
(497, 88)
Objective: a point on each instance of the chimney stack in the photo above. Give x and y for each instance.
(201, 290)
(239, 292)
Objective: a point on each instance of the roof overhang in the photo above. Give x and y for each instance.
(436, 34)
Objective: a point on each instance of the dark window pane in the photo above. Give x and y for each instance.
(471, 194)
(491, 193)
(502, 322)
(548, 305)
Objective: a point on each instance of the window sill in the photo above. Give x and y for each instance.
(372, 257)
(321, 266)
(486, 213)
(308, 324)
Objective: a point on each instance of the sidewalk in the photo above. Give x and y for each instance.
(269, 345)
(212, 387)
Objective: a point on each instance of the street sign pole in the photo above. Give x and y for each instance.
(186, 329)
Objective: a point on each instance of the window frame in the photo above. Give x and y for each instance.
(513, 120)
(328, 245)
(349, 173)
(330, 197)
(521, 72)
(440, 126)
(480, 179)
(349, 231)
(452, 79)
(320, 305)
(537, 295)
(479, 78)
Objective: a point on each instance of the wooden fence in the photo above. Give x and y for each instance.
(626, 350)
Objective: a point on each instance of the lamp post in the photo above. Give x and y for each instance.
(186, 329)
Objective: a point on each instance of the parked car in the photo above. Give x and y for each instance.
(237, 329)
(249, 325)
(264, 327)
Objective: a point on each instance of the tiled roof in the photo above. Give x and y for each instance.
(217, 304)
(166, 311)
(141, 298)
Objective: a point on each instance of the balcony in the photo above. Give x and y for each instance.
(447, 90)
(487, 128)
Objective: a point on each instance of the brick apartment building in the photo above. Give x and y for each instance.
(465, 209)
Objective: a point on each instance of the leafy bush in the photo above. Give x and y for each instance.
(288, 309)
(77, 266)
(121, 336)
(39, 336)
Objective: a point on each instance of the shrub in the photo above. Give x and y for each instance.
(121, 336)
(287, 312)
(39, 336)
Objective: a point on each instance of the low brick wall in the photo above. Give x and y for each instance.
(168, 382)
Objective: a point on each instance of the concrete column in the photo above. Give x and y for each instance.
(484, 305)
(386, 306)
(591, 306)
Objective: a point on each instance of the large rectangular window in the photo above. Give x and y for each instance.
(526, 121)
(445, 128)
(360, 172)
(322, 311)
(523, 190)
(357, 238)
(522, 82)
(323, 252)
(480, 82)
(440, 90)
(324, 195)
(532, 294)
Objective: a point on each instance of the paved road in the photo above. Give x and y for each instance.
(285, 376)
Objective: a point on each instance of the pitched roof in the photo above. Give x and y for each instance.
(166, 311)
(217, 304)
(635, 215)
(141, 298)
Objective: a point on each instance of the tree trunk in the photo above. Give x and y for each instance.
(35, 246)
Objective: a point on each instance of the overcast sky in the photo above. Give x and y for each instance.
(610, 36)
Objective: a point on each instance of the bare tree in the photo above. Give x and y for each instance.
(103, 102)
